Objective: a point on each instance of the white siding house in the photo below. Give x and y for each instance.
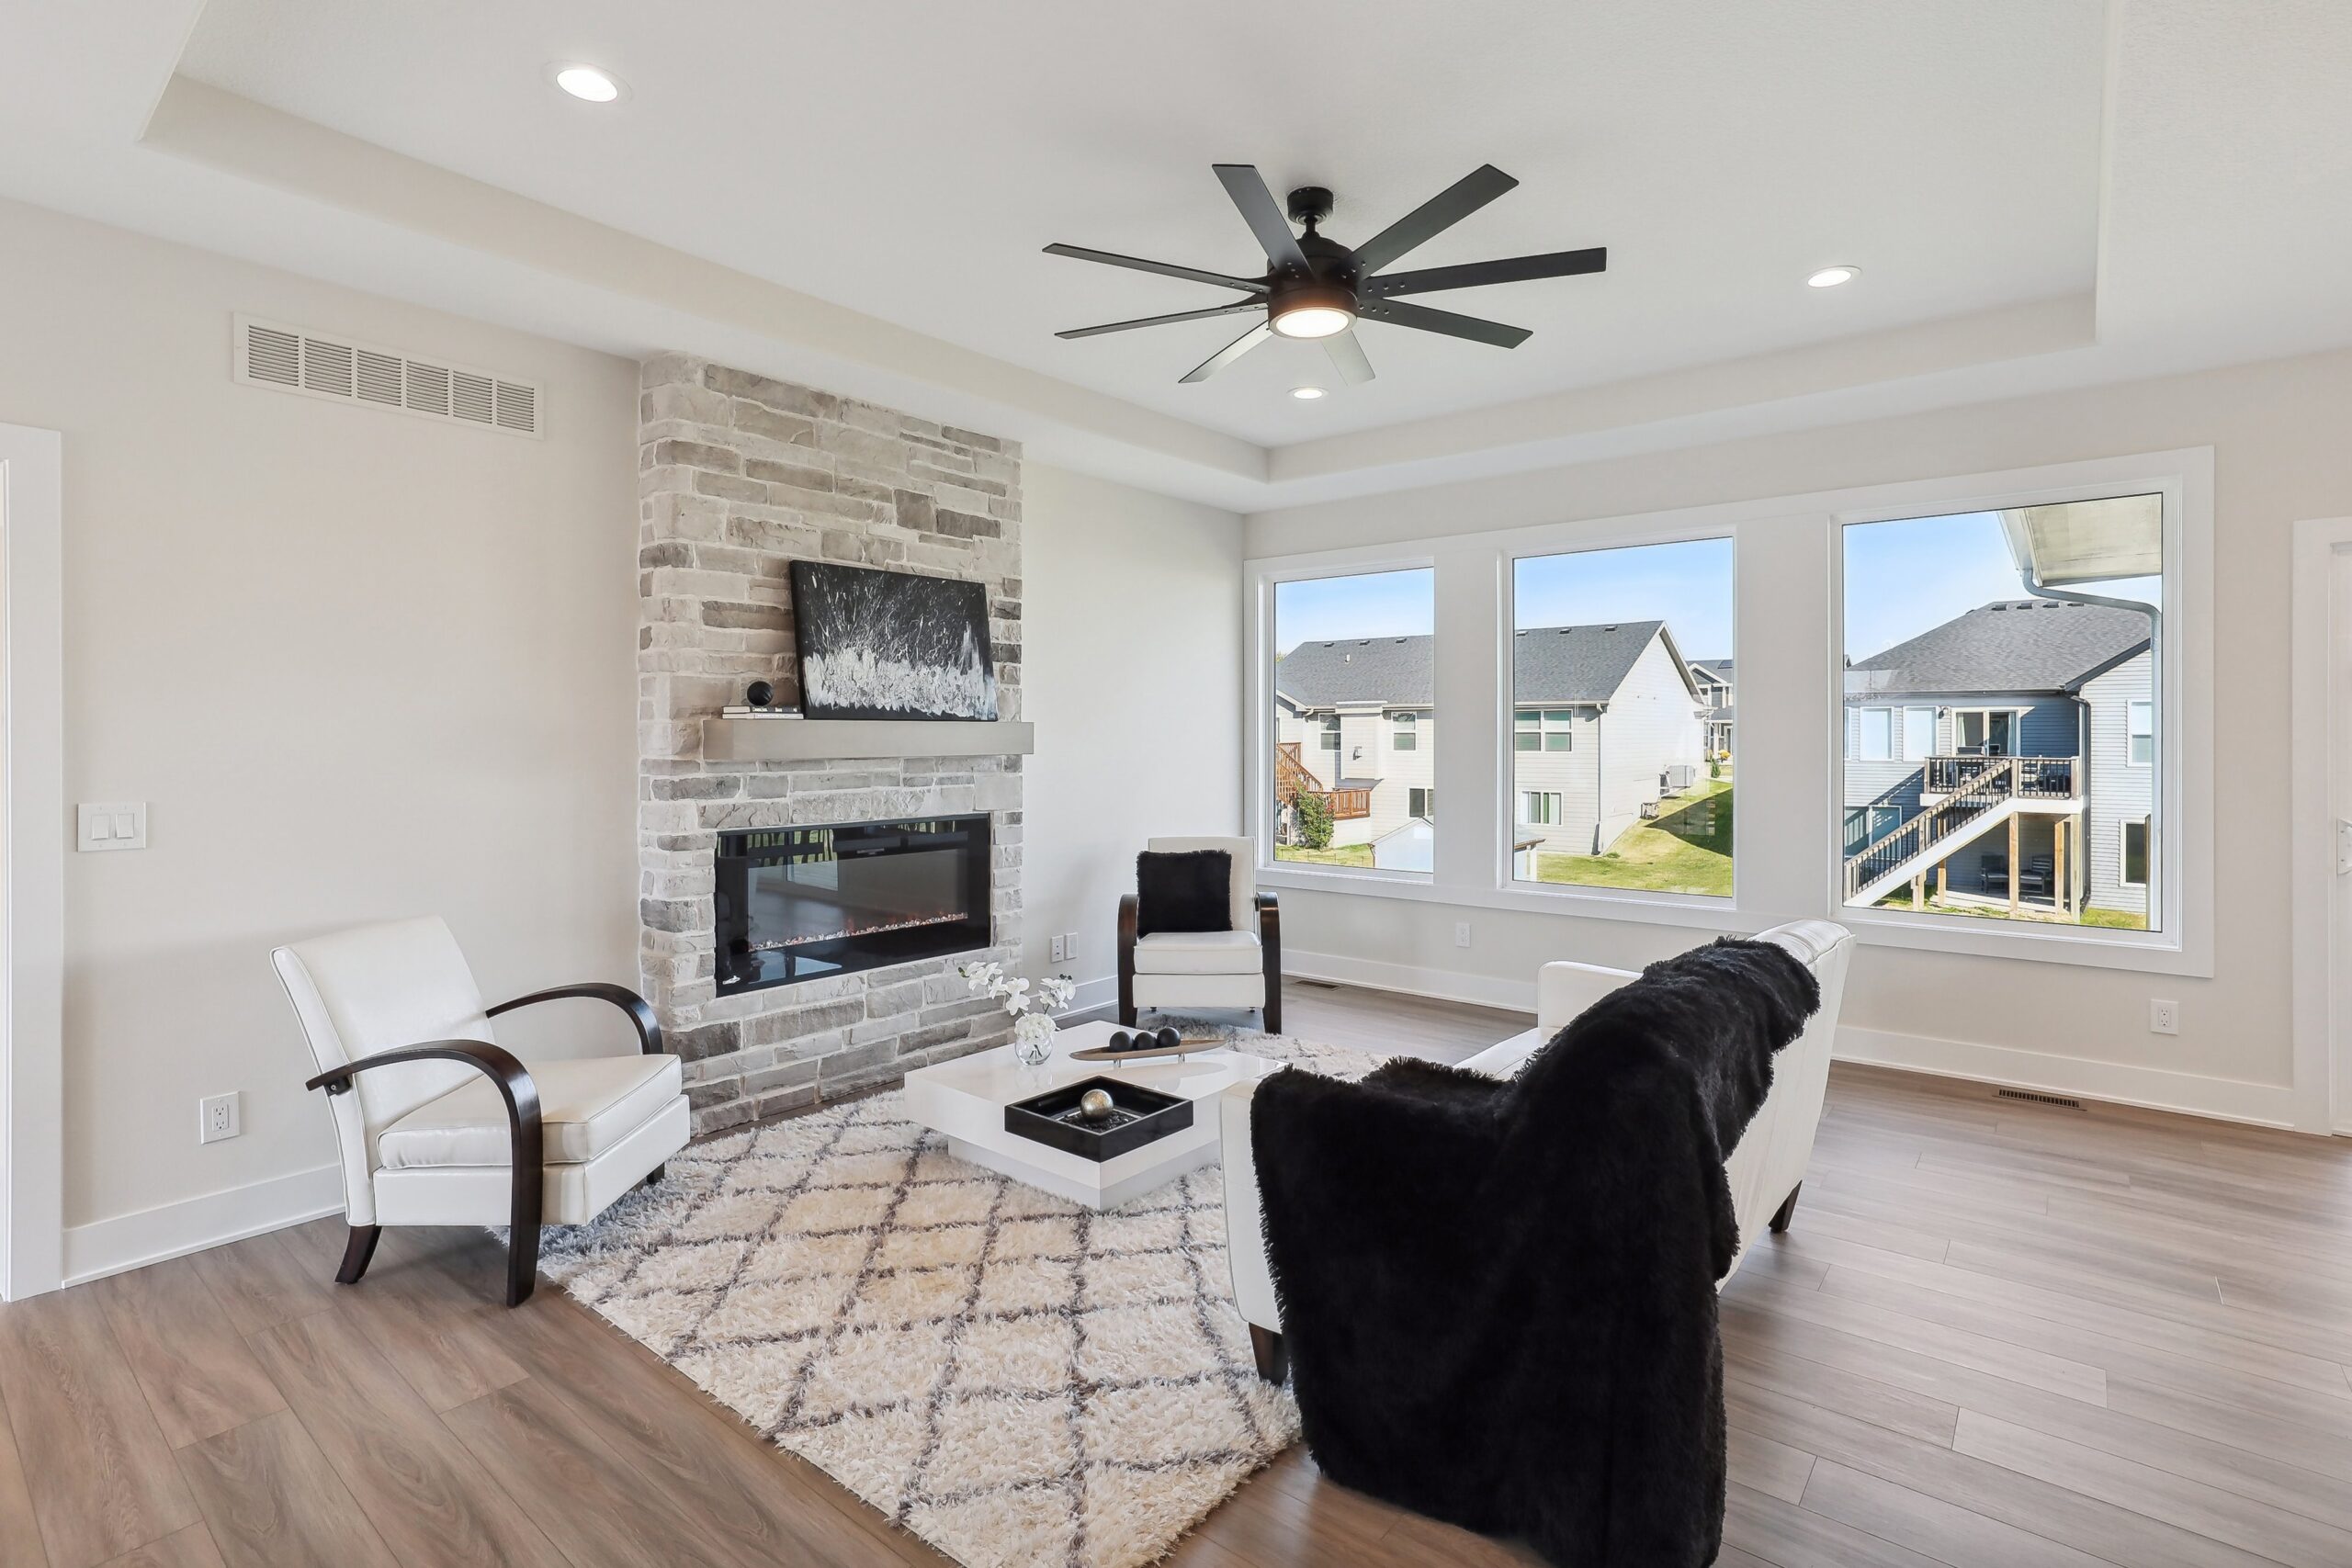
(1601, 715)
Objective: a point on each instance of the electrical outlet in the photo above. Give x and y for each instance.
(1460, 933)
(2164, 1018)
(217, 1117)
(1060, 950)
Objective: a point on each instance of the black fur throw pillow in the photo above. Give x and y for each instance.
(1183, 890)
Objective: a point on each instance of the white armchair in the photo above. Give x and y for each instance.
(1765, 1171)
(440, 1126)
(1238, 968)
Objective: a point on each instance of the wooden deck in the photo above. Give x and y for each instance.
(1998, 1337)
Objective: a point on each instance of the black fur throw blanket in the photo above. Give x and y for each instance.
(1499, 1296)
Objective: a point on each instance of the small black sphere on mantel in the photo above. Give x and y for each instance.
(760, 694)
(1168, 1039)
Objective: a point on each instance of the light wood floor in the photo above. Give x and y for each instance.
(1998, 1334)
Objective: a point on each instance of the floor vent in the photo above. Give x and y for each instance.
(291, 359)
(2030, 1098)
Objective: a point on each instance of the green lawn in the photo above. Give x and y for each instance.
(1339, 854)
(2114, 919)
(1686, 850)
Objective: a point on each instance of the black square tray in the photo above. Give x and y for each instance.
(1138, 1116)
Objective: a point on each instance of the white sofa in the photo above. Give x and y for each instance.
(1764, 1170)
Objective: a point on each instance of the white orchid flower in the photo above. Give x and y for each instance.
(1015, 994)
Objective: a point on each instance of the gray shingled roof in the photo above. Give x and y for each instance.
(1553, 664)
(1713, 669)
(2012, 645)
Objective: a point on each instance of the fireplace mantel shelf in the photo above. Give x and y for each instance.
(817, 739)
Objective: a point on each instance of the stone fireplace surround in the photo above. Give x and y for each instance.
(739, 475)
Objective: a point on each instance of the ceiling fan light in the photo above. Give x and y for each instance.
(1314, 321)
(1831, 277)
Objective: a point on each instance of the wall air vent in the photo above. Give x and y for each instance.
(292, 359)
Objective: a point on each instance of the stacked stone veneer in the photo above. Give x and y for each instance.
(739, 476)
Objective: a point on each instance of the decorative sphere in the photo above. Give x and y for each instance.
(1121, 1040)
(1094, 1104)
(1170, 1040)
(760, 694)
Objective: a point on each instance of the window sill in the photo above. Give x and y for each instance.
(2090, 947)
(1588, 904)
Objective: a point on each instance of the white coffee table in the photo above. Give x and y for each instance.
(966, 1099)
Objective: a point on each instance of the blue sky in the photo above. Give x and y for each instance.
(1902, 578)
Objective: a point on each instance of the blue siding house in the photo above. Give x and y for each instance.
(2005, 759)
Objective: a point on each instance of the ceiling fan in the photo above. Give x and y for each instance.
(1316, 288)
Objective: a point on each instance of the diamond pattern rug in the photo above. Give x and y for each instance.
(1016, 1379)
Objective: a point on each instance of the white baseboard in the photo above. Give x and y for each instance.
(125, 1242)
(1443, 985)
(2114, 1083)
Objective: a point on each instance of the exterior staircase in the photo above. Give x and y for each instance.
(1977, 804)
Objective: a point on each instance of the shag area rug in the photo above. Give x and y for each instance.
(1016, 1379)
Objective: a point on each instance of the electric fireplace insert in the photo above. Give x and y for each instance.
(797, 902)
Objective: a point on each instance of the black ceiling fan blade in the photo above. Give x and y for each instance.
(1227, 355)
(1348, 357)
(1474, 274)
(1170, 269)
(1263, 214)
(1438, 213)
(1257, 304)
(1398, 314)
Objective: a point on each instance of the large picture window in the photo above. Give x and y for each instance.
(1622, 744)
(1354, 722)
(2002, 744)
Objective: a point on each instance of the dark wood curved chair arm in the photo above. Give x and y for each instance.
(1127, 959)
(525, 1139)
(1269, 951)
(649, 1027)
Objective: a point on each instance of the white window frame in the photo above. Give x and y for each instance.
(1910, 755)
(1862, 732)
(2017, 728)
(1429, 801)
(1545, 729)
(1787, 572)
(2132, 735)
(2123, 851)
(1404, 731)
(2182, 853)
(1546, 815)
(1326, 733)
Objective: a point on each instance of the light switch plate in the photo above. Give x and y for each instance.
(110, 825)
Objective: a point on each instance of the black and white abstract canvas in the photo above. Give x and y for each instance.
(891, 645)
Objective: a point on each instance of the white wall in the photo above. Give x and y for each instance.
(1131, 669)
(358, 664)
(2277, 433)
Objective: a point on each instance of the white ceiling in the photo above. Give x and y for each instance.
(2041, 193)
(909, 160)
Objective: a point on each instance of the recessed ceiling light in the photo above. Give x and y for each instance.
(1308, 394)
(587, 83)
(1831, 277)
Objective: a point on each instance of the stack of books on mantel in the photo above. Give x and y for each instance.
(744, 710)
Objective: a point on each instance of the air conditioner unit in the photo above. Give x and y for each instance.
(1681, 776)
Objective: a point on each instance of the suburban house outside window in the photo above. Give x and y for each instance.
(1354, 723)
(2001, 748)
(1621, 743)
